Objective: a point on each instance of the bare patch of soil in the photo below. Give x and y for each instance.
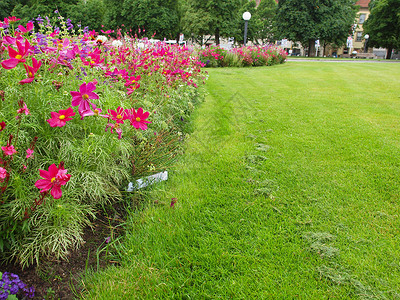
(62, 279)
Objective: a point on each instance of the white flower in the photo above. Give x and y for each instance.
(101, 38)
(116, 43)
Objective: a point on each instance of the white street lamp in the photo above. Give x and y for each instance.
(366, 43)
(246, 18)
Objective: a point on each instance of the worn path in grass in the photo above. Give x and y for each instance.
(289, 188)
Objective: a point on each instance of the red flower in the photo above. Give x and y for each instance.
(54, 178)
(118, 116)
(60, 119)
(16, 56)
(138, 118)
(2, 126)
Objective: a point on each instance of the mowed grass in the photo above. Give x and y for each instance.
(289, 188)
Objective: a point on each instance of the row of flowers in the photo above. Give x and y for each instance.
(242, 57)
(81, 107)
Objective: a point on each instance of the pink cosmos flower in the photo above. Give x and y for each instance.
(23, 109)
(29, 153)
(3, 174)
(8, 150)
(82, 97)
(132, 80)
(95, 111)
(115, 127)
(138, 118)
(16, 56)
(60, 119)
(131, 89)
(54, 178)
(31, 71)
(118, 116)
(29, 27)
(11, 20)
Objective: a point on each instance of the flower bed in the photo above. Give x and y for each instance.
(242, 57)
(80, 117)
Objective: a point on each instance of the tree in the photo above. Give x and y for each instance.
(6, 7)
(308, 20)
(261, 24)
(89, 13)
(155, 16)
(217, 17)
(28, 10)
(266, 12)
(383, 25)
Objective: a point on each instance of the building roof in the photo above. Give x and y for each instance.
(363, 3)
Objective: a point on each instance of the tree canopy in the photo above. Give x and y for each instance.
(217, 17)
(87, 13)
(159, 17)
(306, 21)
(383, 25)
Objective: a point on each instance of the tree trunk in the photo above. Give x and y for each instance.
(217, 36)
(389, 53)
(311, 48)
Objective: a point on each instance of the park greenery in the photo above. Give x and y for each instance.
(327, 21)
(383, 25)
(214, 21)
(81, 116)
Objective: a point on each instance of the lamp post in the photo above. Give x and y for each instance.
(366, 42)
(246, 18)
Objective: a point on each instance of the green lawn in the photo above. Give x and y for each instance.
(289, 188)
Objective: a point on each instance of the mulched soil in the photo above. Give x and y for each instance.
(62, 279)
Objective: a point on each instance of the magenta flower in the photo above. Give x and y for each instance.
(8, 150)
(2, 126)
(82, 97)
(54, 178)
(29, 27)
(138, 118)
(3, 174)
(23, 108)
(31, 71)
(16, 56)
(119, 115)
(60, 119)
(131, 89)
(115, 127)
(95, 111)
(29, 153)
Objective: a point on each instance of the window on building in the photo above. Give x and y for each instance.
(359, 36)
(361, 19)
